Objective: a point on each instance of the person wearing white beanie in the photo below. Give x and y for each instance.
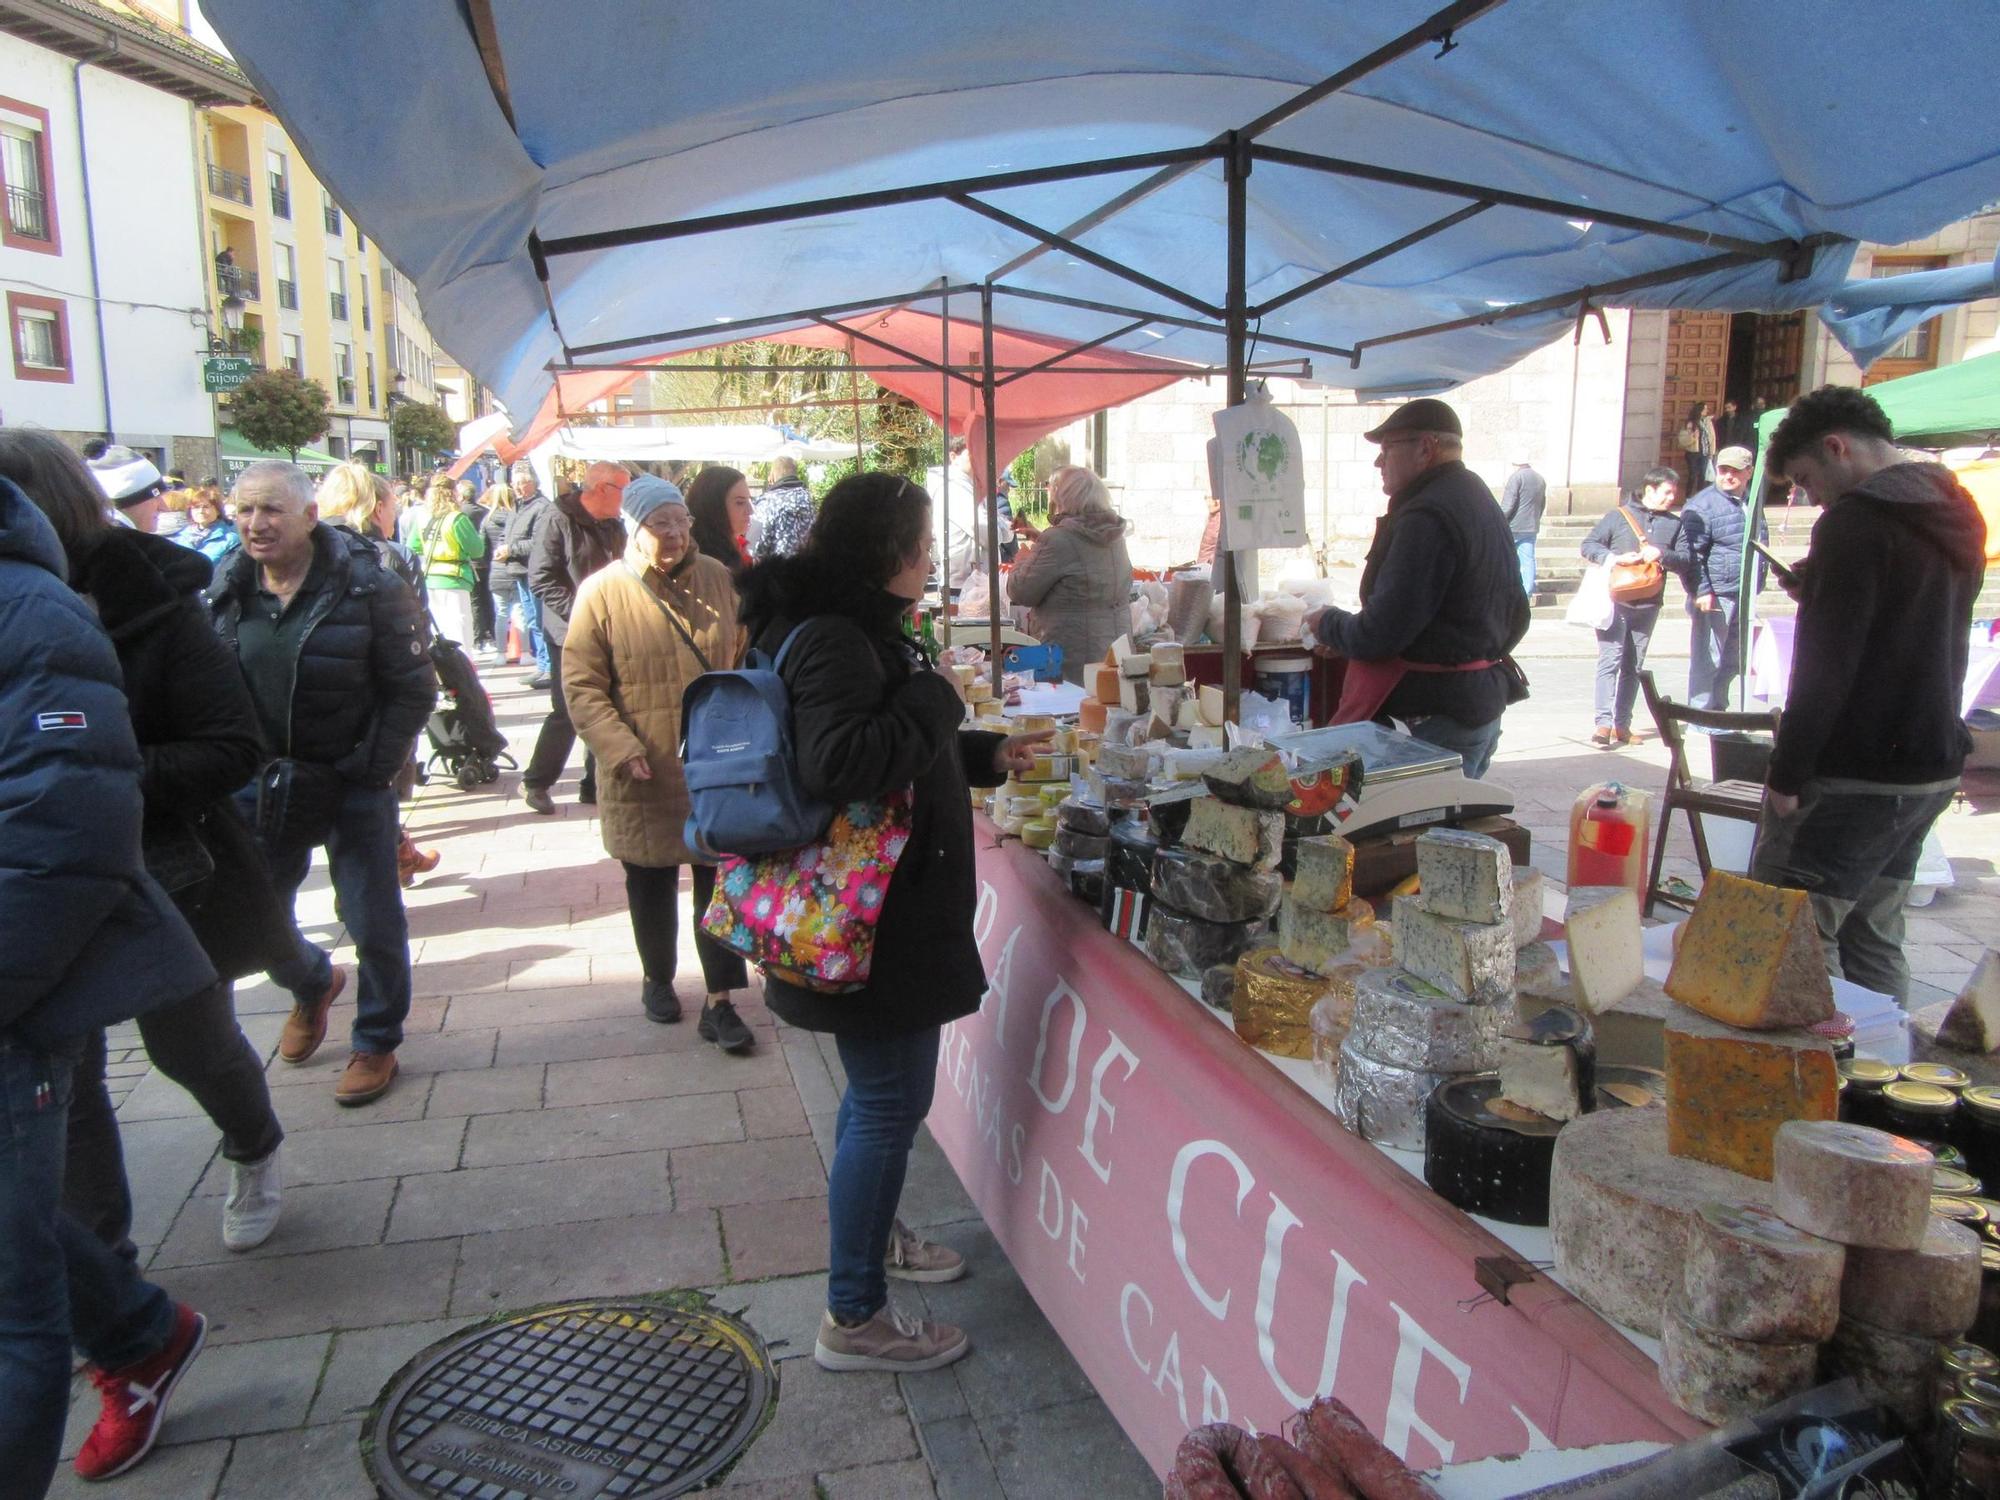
(132, 484)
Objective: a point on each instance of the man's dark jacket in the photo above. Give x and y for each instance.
(1442, 585)
(89, 938)
(569, 546)
(524, 524)
(1712, 526)
(867, 720)
(363, 684)
(1884, 629)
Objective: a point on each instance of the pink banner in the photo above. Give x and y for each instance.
(1212, 1245)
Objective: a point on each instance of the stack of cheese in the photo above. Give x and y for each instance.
(1849, 1274)
(1214, 889)
(1296, 997)
(1440, 1013)
(1082, 841)
(1607, 977)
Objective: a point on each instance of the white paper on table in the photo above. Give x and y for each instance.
(1046, 698)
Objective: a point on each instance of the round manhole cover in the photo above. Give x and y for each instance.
(621, 1399)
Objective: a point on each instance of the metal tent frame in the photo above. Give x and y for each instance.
(1238, 152)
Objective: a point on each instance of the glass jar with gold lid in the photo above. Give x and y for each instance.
(1965, 1461)
(1954, 1182)
(1959, 1361)
(1862, 1080)
(1945, 1077)
(1921, 1112)
(1979, 1130)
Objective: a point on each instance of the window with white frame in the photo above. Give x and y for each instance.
(40, 337)
(292, 352)
(22, 165)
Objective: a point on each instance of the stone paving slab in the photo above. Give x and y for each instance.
(593, 1130)
(619, 1258)
(328, 1216)
(481, 1199)
(297, 1294)
(234, 1389)
(320, 1463)
(363, 1360)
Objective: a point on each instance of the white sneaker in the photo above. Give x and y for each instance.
(250, 1212)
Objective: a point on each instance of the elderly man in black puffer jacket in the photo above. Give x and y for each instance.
(332, 647)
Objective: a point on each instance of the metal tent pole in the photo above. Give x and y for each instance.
(1236, 177)
(944, 487)
(988, 390)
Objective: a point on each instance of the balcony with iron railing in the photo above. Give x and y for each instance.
(281, 197)
(288, 295)
(331, 214)
(339, 302)
(235, 186)
(28, 213)
(234, 281)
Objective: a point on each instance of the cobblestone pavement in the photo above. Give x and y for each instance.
(546, 1141)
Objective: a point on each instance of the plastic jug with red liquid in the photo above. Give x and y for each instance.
(1608, 836)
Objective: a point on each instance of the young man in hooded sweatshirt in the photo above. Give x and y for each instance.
(1872, 740)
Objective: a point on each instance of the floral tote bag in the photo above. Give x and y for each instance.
(808, 915)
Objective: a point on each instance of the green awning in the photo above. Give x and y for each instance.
(237, 452)
(1953, 406)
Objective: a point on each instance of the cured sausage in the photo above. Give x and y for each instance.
(1332, 1436)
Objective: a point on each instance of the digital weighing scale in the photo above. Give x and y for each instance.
(1405, 783)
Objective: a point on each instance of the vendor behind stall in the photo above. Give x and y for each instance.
(1441, 596)
(1076, 577)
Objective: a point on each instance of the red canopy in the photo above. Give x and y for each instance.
(1027, 408)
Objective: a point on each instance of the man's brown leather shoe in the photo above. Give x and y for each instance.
(367, 1078)
(305, 1027)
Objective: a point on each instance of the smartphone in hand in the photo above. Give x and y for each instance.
(1787, 576)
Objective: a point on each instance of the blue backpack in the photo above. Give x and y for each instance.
(744, 793)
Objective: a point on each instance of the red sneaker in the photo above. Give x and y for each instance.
(135, 1399)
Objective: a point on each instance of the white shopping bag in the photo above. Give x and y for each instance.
(1259, 474)
(1592, 607)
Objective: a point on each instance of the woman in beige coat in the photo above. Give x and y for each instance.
(1076, 579)
(643, 629)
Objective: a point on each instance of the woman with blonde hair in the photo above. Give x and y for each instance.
(1076, 577)
(496, 509)
(449, 545)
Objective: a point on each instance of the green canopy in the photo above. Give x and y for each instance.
(238, 453)
(1953, 406)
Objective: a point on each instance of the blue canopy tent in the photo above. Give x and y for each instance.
(1412, 197)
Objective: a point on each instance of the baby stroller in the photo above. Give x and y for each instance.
(465, 738)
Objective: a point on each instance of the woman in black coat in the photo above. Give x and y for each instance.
(1621, 647)
(199, 741)
(870, 716)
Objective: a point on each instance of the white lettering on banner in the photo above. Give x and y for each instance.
(1170, 1371)
(997, 987)
(1078, 1226)
(1214, 1404)
(1345, 1278)
(1192, 1152)
(1049, 1185)
(985, 913)
(1014, 1168)
(1060, 1103)
(1099, 1107)
(1538, 1441)
(1412, 1345)
(1134, 1292)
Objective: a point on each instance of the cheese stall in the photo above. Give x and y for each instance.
(1295, 1140)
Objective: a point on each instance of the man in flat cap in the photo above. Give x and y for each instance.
(1441, 596)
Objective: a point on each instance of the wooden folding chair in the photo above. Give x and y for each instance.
(1742, 800)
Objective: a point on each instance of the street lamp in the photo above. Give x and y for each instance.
(232, 316)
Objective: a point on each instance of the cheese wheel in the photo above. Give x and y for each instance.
(1402, 1021)
(1085, 817)
(1217, 985)
(1852, 1184)
(1619, 1210)
(1381, 1102)
(1718, 1379)
(1213, 888)
(1728, 1091)
(1891, 1369)
(1482, 1162)
(1190, 947)
(1932, 1290)
(1538, 975)
(1750, 1275)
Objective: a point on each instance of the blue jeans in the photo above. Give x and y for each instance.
(58, 1283)
(1475, 743)
(1712, 653)
(361, 856)
(531, 613)
(1524, 550)
(1621, 657)
(1854, 853)
(889, 1084)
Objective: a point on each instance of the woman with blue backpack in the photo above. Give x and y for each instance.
(874, 722)
(643, 629)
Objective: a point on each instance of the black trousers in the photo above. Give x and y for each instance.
(558, 736)
(482, 604)
(197, 1043)
(654, 897)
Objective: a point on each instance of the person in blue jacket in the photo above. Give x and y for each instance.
(208, 530)
(1712, 526)
(90, 939)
